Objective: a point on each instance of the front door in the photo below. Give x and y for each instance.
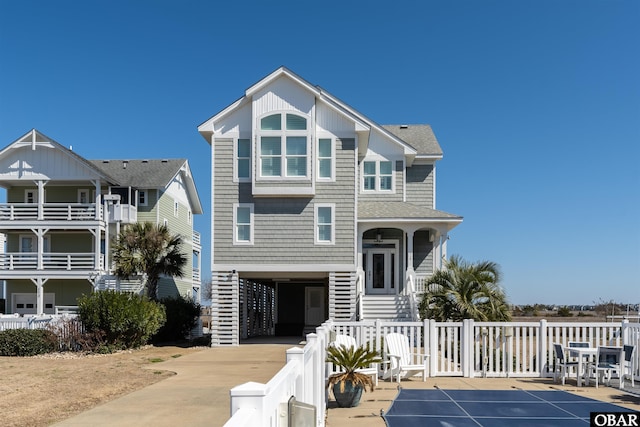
(380, 266)
(314, 305)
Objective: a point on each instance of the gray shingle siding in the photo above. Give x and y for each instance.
(284, 226)
(420, 185)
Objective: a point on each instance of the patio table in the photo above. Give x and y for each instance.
(582, 353)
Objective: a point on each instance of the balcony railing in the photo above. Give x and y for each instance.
(196, 275)
(196, 238)
(49, 212)
(50, 261)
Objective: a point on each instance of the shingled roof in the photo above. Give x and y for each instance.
(401, 210)
(154, 173)
(420, 137)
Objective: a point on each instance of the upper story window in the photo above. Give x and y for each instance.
(243, 159)
(377, 175)
(176, 208)
(284, 146)
(243, 223)
(83, 196)
(325, 159)
(30, 196)
(142, 198)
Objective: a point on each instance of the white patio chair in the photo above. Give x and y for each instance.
(562, 364)
(628, 367)
(349, 341)
(608, 360)
(402, 360)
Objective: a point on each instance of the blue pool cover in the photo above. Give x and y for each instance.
(493, 408)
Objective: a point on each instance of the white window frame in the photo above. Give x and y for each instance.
(235, 223)
(176, 208)
(332, 158)
(143, 197)
(378, 177)
(86, 193)
(236, 160)
(283, 133)
(317, 225)
(31, 196)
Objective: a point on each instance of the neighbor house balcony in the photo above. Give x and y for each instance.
(122, 213)
(17, 264)
(18, 215)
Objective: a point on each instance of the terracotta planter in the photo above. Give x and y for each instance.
(351, 395)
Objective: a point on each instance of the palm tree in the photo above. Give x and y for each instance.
(149, 249)
(463, 290)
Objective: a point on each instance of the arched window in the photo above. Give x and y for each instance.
(284, 146)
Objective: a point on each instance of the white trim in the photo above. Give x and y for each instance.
(316, 225)
(235, 223)
(284, 268)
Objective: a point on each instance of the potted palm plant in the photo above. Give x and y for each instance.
(348, 383)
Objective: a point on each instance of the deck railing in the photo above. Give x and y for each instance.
(49, 212)
(49, 261)
(466, 349)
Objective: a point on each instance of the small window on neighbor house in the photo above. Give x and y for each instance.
(29, 305)
(83, 196)
(243, 159)
(165, 222)
(30, 196)
(176, 209)
(142, 198)
(20, 305)
(189, 216)
(243, 223)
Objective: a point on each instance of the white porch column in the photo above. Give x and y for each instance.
(443, 256)
(41, 200)
(359, 249)
(96, 184)
(39, 282)
(410, 234)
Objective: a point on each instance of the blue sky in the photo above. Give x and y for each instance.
(536, 105)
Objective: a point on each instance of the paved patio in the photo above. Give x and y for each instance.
(369, 411)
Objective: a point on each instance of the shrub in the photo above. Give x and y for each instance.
(123, 320)
(182, 316)
(27, 342)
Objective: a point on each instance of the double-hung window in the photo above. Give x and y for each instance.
(377, 175)
(243, 159)
(284, 146)
(325, 224)
(325, 159)
(243, 223)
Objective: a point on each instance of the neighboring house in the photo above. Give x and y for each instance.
(317, 212)
(63, 211)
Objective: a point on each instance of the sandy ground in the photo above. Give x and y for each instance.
(40, 390)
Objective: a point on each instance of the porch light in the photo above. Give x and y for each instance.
(378, 238)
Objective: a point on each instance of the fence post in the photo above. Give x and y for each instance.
(467, 350)
(297, 354)
(542, 353)
(433, 348)
(624, 332)
(425, 340)
(249, 395)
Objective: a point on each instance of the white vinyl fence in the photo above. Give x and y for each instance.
(466, 349)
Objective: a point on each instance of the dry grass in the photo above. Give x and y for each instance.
(38, 391)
